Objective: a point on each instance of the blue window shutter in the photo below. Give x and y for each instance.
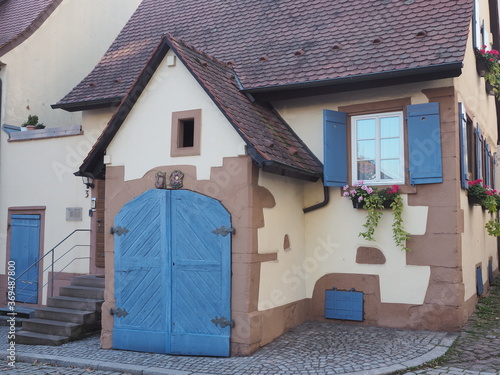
(464, 163)
(479, 152)
(494, 178)
(487, 161)
(335, 148)
(424, 144)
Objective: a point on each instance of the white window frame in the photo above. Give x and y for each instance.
(377, 116)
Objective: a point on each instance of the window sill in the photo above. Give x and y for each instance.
(28, 135)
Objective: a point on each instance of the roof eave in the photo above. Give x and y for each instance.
(89, 104)
(439, 71)
(275, 167)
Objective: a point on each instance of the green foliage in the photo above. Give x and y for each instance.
(491, 60)
(374, 204)
(493, 227)
(489, 199)
(398, 232)
(374, 201)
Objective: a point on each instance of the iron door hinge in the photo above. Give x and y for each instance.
(118, 230)
(223, 231)
(119, 313)
(222, 322)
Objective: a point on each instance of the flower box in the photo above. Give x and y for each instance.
(474, 201)
(361, 205)
(481, 66)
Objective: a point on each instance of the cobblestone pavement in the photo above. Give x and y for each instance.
(312, 348)
(477, 348)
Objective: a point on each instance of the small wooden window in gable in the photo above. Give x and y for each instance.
(186, 133)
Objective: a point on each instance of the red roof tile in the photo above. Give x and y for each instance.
(20, 18)
(337, 39)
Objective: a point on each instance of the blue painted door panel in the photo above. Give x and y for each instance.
(25, 250)
(141, 274)
(200, 275)
(172, 274)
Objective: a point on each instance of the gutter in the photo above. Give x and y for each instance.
(326, 200)
(453, 68)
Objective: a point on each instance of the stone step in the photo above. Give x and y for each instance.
(6, 321)
(81, 292)
(75, 303)
(88, 280)
(53, 327)
(21, 312)
(36, 338)
(67, 315)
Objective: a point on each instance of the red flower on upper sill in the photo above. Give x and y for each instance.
(475, 182)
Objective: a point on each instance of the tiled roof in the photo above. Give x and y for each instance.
(20, 18)
(271, 142)
(287, 42)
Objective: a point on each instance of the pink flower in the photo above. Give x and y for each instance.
(360, 198)
(346, 187)
(369, 190)
(346, 194)
(353, 192)
(394, 189)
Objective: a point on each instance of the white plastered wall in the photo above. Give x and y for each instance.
(331, 233)
(36, 74)
(143, 141)
(477, 245)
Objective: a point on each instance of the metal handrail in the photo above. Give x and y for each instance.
(51, 266)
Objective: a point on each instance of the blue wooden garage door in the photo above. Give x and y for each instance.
(172, 275)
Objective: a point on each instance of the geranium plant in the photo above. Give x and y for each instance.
(490, 58)
(374, 200)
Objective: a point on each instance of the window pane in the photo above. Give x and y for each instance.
(389, 127)
(366, 170)
(366, 150)
(365, 129)
(389, 169)
(389, 148)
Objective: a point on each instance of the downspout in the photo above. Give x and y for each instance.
(326, 199)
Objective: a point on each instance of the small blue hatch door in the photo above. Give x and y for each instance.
(346, 305)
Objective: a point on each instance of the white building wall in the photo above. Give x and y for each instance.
(143, 141)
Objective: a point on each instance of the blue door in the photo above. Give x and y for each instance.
(172, 275)
(24, 251)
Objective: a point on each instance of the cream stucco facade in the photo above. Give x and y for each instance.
(149, 126)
